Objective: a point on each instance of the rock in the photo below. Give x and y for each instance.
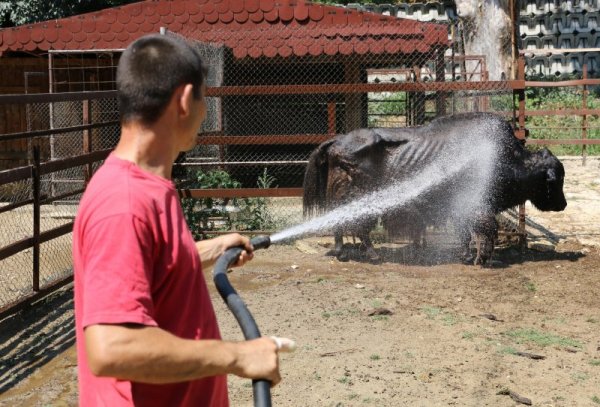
(305, 247)
(359, 286)
(380, 311)
(541, 246)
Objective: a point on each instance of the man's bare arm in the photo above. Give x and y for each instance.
(151, 355)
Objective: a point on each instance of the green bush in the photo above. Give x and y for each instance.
(386, 105)
(555, 127)
(207, 215)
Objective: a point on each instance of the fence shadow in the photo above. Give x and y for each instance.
(35, 336)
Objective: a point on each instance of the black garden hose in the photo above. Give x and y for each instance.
(260, 388)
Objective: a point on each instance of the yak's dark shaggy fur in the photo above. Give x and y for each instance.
(350, 165)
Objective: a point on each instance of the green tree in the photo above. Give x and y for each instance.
(18, 12)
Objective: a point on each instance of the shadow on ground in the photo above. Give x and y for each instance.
(431, 256)
(34, 337)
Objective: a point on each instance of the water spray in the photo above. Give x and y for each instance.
(455, 161)
(398, 194)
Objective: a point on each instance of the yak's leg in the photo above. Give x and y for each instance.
(479, 243)
(340, 253)
(369, 249)
(486, 234)
(485, 248)
(487, 251)
(417, 233)
(465, 244)
(365, 239)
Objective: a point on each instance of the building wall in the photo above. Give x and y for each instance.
(19, 75)
(72, 73)
(543, 24)
(551, 24)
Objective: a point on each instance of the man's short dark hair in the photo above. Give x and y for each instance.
(150, 70)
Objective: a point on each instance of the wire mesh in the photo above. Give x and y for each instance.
(275, 92)
(58, 190)
(83, 70)
(284, 82)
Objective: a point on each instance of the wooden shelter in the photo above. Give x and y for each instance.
(265, 43)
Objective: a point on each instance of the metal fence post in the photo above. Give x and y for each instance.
(521, 93)
(331, 119)
(440, 76)
(35, 172)
(584, 121)
(87, 139)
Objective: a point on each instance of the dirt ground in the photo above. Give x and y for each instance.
(420, 329)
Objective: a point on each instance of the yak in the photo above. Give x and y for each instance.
(471, 163)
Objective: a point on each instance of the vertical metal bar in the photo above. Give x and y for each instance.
(584, 121)
(352, 100)
(514, 17)
(87, 139)
(521, 93)
(521, 76)
(418, 100)
(28, 114)
(331, 118)
(51, 112)
(440, 76)
(522, 215)
(454, 41)
(35, 172)
(485, 103)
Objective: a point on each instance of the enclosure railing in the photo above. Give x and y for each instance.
(523, 115)
(580, 115)
(221, 139)
(42, 183)
(38, 199)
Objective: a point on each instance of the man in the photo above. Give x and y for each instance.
(146, 330)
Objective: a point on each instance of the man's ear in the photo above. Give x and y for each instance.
(185, 99)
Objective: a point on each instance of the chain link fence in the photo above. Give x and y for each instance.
(28, 216)
(276, 93)
(273, 95)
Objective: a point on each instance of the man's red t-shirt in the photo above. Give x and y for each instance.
(136, 262)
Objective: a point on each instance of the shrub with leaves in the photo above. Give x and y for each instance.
(550, 127)
(217, 214)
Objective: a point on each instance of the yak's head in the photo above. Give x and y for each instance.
(548, 192)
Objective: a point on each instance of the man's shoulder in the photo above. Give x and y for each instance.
(115, 189)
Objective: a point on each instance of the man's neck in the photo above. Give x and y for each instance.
(150, 148)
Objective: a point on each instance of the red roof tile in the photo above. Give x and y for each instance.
(183, 18)
(266, 5)
(241, 17)
(51, 33)
(253, 28)
(300, 50)
(237, 6)
(252, 6)
(197, 18)
(163, 8)
(37, 34)
(136, 10)
(257, 16)
(178, 8)
(346, 48)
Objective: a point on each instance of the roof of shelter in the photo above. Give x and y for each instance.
(251, 28)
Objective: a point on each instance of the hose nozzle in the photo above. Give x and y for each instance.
(260, 242)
